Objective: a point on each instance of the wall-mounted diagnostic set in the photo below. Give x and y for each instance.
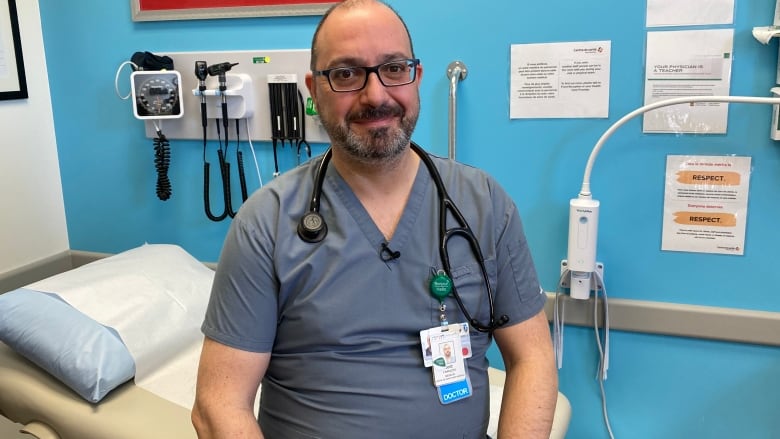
(257, 95)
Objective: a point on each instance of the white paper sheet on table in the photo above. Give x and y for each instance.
(155, 297)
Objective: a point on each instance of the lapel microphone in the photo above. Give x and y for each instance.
(388, 254)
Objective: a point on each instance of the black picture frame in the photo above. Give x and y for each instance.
(13, 81)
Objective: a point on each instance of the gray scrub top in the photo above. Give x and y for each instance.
(343, 324)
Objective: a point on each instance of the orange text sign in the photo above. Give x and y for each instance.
(723, 178)
(716, 219)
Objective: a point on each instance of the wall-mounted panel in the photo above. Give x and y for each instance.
(247, 88)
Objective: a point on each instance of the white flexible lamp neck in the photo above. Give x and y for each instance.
(585, 191)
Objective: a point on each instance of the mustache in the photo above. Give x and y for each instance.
(377, 113)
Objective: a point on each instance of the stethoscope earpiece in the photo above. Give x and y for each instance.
(312, 227)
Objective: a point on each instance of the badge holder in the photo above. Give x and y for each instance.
(446, 347)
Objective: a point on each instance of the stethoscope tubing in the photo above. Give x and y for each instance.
(445, 204)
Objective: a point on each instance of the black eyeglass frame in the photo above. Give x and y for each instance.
(411, 63)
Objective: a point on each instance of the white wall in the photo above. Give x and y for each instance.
(32, 212)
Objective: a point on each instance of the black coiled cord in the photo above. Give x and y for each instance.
(224, 167)
(206, 202)
(242, 176)
(206, 179)
(162, 161)
(240, 160)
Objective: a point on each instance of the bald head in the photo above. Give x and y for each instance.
(346, 6)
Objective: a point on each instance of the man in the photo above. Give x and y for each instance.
(446, 349)
(334, 327)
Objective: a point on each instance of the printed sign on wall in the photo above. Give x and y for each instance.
(705, 204)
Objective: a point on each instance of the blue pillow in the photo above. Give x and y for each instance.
(85, 355)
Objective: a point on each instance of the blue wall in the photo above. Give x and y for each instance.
(658, 386)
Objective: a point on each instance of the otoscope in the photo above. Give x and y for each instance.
(201, 72)
(219, 71)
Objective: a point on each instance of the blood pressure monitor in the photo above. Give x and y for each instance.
(156, 94)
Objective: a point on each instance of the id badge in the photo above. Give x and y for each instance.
(448, 365)
(425, 341)
(444, 350)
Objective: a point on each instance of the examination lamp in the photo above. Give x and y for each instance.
(584, 210)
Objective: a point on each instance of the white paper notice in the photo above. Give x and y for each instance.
(688, 63)
(3, 64)
(705, 204)
(689, 12)
(560, 80)
(6, 46)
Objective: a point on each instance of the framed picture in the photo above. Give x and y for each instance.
(156, 10)
(13, 83)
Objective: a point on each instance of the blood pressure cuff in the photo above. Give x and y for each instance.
(150, 61)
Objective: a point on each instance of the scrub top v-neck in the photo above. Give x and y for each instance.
(374, 237)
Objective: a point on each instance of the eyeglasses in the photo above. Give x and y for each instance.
(390, 74)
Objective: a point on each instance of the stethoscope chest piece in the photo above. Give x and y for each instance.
(312, 227)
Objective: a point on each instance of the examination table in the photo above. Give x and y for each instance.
(49, 410)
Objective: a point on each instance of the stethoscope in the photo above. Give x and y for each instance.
(312, 229)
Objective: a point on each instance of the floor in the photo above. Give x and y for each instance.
(9, 430)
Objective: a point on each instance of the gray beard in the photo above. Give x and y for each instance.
(380, 145)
